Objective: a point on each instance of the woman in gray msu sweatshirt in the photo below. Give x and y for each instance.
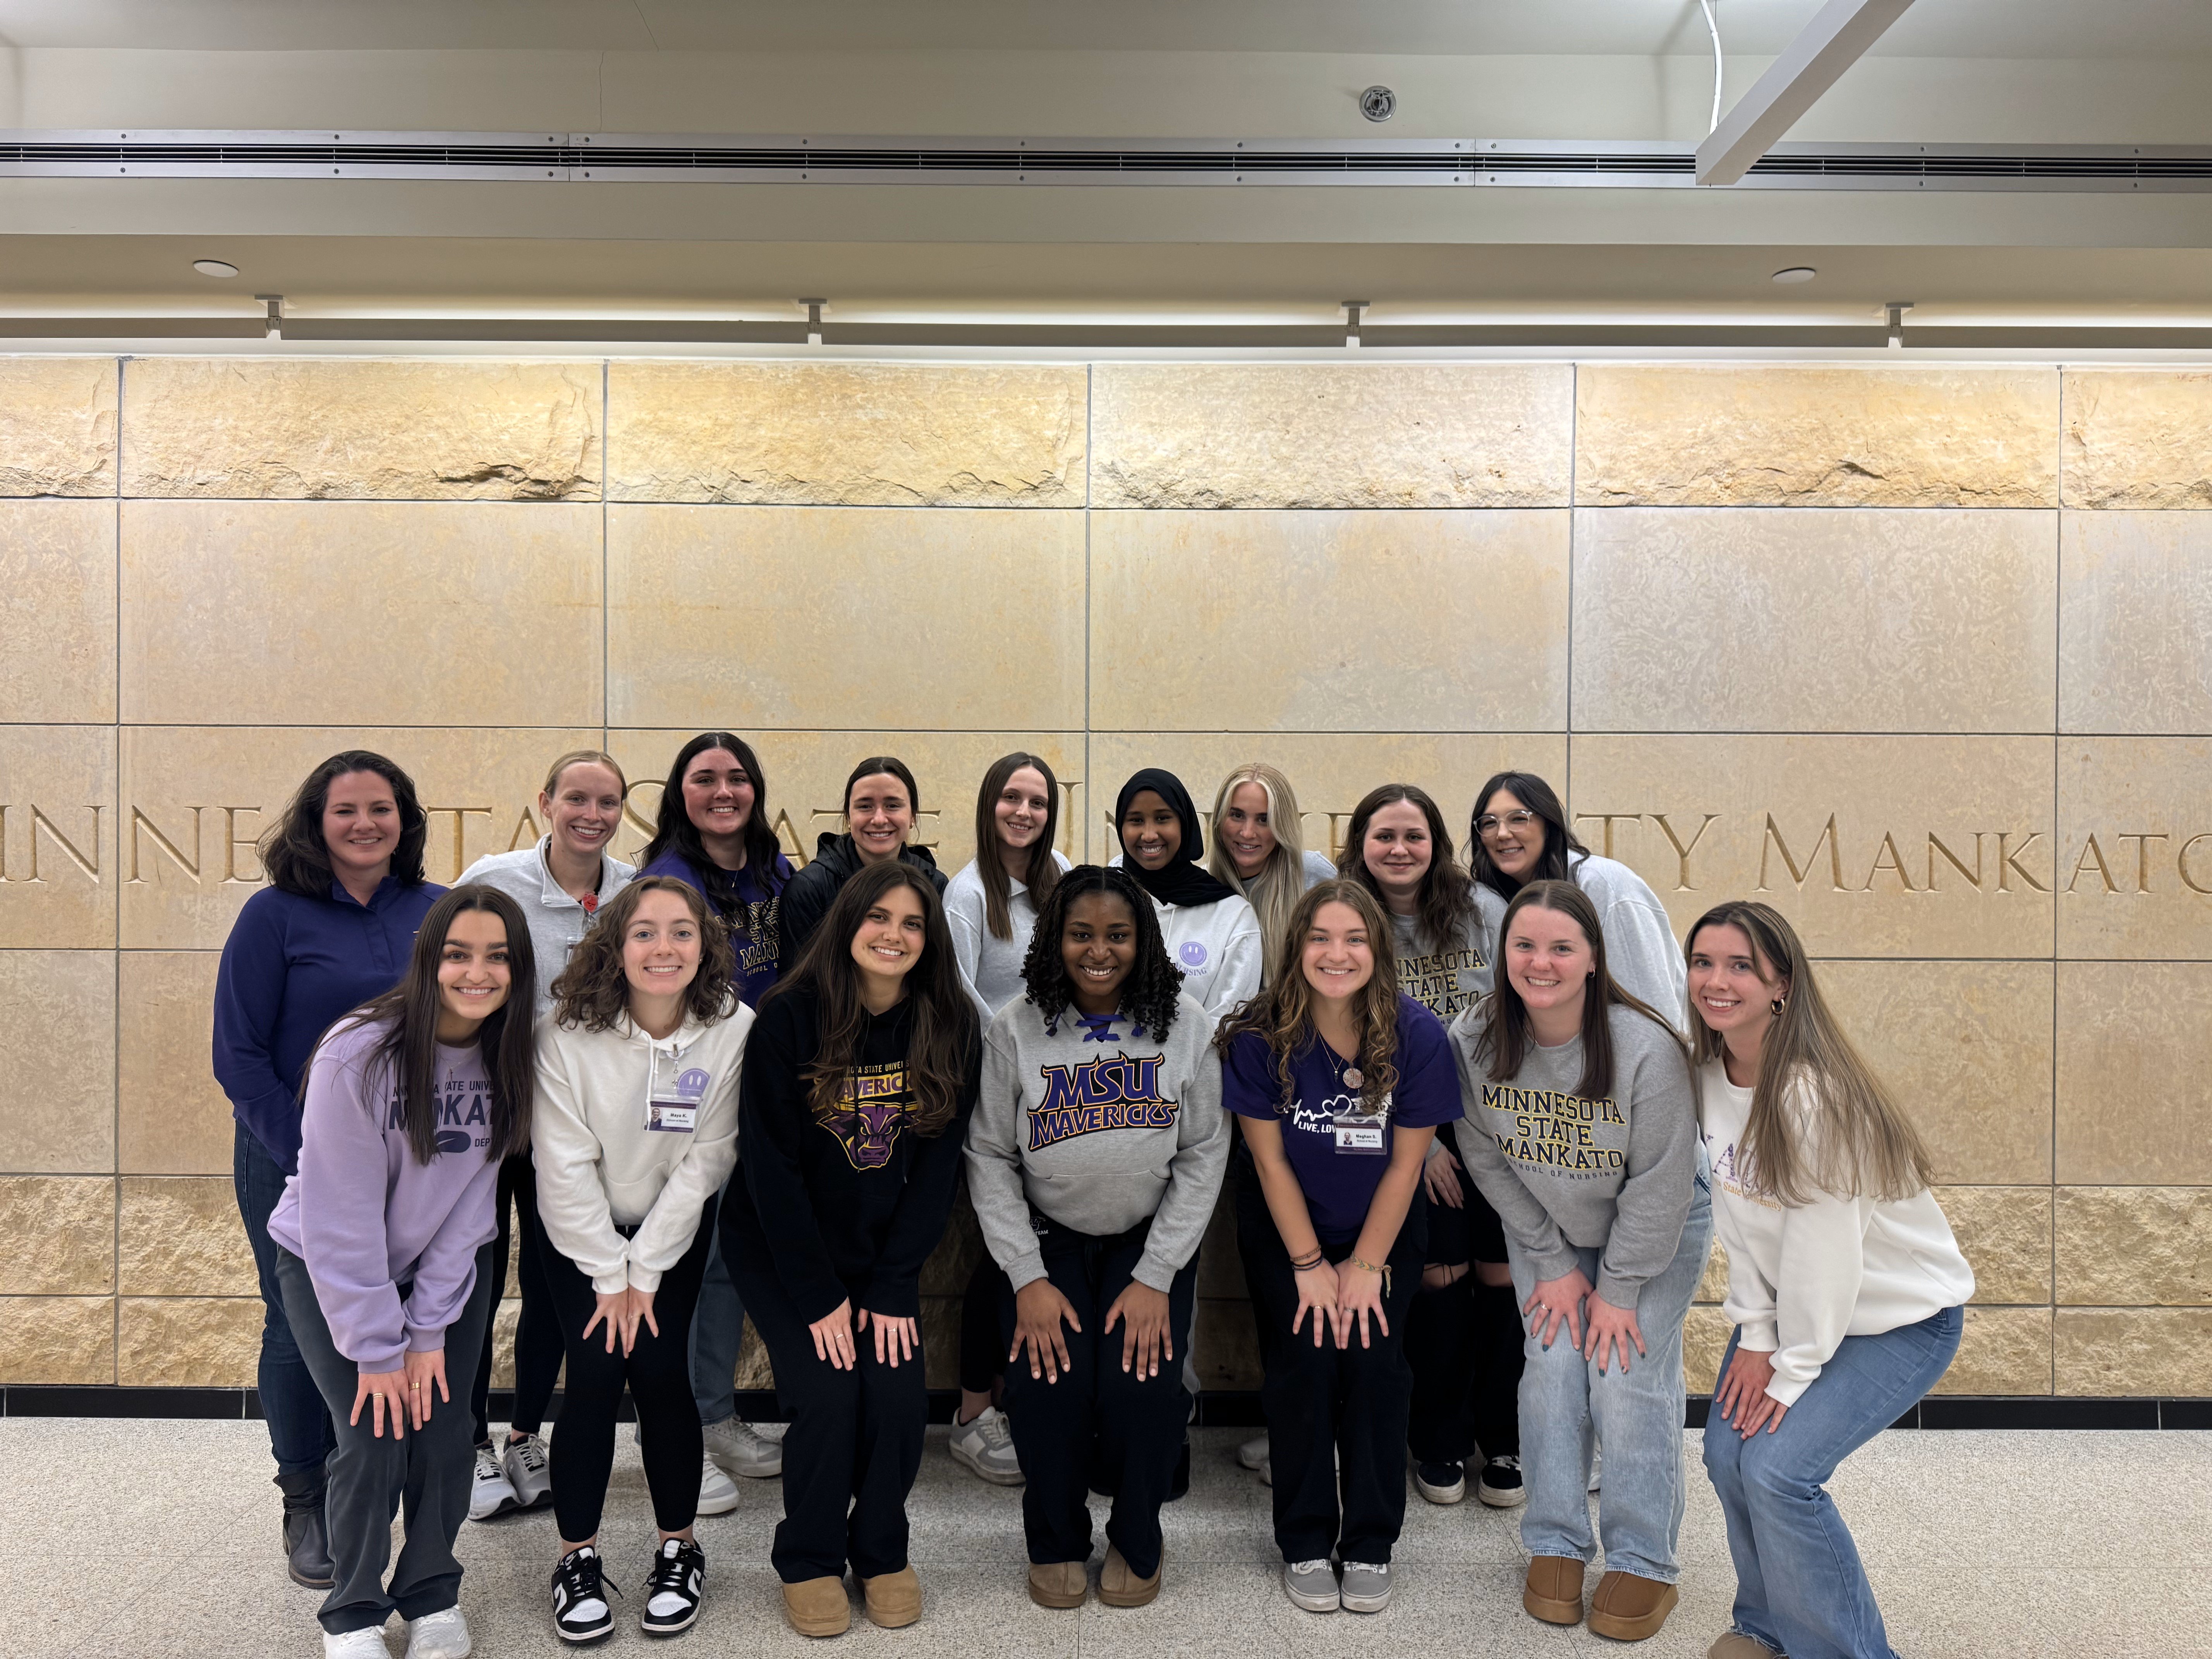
(1095, 1155)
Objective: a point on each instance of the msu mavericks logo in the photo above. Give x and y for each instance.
(1115, 1092)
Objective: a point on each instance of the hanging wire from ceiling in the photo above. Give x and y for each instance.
(1713, 29)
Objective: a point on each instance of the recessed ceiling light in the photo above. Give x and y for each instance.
(1796, 274)
(215, 268)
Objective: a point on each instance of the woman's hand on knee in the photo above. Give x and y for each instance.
(1038, 1310)
(615, 1310)
(1358, 1302)
(1317, 1295)
(637, 1309)
(1555, 1301)
(896, 1337)
(833, 1336)
(1440, 1175)
(1743, 1399)
(380, 1392)
(424, 1372)
(1145, 1331)
(1611, 1330)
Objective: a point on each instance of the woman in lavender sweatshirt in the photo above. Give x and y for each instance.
(383, 1256)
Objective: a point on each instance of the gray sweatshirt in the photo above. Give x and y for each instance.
(1564, 1172)
(1098, 1129)
(1446, 977)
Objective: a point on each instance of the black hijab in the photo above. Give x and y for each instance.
(1183, 879)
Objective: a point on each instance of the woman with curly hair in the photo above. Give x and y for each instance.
(1094, 1159)
(1341, 1081)
(859, 1080)
(637, 1119)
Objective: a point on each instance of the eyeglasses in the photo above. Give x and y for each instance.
(1489, 824)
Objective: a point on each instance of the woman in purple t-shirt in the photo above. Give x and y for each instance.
(1340, 1082)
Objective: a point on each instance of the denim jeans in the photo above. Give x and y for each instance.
(718, 1329)
(300, 1433)
(1635, 1412)
(1800, 1587)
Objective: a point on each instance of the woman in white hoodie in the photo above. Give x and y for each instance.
(636, 1132)
(1845, 1287)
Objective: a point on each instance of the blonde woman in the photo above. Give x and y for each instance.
(1845, 1287)
(1257, 851)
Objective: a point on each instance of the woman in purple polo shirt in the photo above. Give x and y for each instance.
(333, 928)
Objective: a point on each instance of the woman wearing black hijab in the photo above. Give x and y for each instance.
(1210, 931)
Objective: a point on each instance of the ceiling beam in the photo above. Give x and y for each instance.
(1835, 39)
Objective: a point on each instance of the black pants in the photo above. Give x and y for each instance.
(983, 1346)
(1325, 1402)
(371, 1477)
(658, 1370)
(537, 1331)
(1129, 1429)
(854, 1444)
(1463, 1341)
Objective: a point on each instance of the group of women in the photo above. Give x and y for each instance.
(1472, 1206)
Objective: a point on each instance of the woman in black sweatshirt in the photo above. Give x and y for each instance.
(881, 805)
(860, 1076)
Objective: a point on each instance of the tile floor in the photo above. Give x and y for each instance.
(146, 1539)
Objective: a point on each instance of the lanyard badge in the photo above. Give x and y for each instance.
(1357, 1133)
(673, 1094)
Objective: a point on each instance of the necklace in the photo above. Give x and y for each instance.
(1349, 1075)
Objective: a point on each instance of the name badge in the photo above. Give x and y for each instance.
(671, 1105)
(1357, 1133)
(672, 1116)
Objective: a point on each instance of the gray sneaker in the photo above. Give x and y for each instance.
(718, 1493)
(529, 1471)
(738, 1447)
(1253, 1456)
(489, 1494)
(985, 1447)
(1312, 1585)
(1366, 1586)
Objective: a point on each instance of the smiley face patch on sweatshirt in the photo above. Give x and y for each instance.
(1114, 1092)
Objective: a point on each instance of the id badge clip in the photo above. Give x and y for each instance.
(671, 1105)
(1359, 1134)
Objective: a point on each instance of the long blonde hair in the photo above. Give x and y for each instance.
(1274, 894)
(1282, 1014)
(1862, 1143)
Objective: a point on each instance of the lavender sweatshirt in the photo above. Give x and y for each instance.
(361, 1236)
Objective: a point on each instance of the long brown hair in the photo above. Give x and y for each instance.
(1282, 1014)
(593, 991)
(1562, 849)
(941, 1053)
(1860, 1143)
(1507, 1036)
(1043, 871)
(1445, 905)
(407, 1051)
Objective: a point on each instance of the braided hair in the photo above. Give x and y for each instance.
(1148, 995)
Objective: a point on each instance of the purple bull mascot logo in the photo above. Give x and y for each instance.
(875, 1111)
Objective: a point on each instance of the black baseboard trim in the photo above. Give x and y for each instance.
(1230, 1408)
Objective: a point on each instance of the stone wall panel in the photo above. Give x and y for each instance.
(57, 425)
(2107, 1351)
(2133, 1093)
(361, 428)
(2135, 852)
(2005, 1232)
(69, 1221)
(57, 1099)
(57, 866)
(2136, 602)
(188, 1342)
(58, 626)
(848, 435)
(2144, 1244)
(57, 1339)
(1331, 437)
(2138, 438)
(182, 1237)
(172, 1118)
(2002, 1351)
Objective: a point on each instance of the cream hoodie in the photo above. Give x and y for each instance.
(598, 1166)
(1802, 1278)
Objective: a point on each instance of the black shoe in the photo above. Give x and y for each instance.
(1441, 1483)
(581, 1612)
(1500, 1486)
(673, 1591)
(307, 1543)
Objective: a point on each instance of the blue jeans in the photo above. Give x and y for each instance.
(718, 1329)
(300, 1433)
(1799, 1586)
(1636, 1412)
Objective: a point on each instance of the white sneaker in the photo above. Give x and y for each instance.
(356, 1645)
(529, 1471)
(745, 1449)
(438, 1636)
(1253, 1456)
(1597, 1465)
(490, 1493)
(718, 1493)
(985, 1447)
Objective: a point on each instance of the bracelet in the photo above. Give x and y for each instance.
(1309, 1264)
(1384, 1270)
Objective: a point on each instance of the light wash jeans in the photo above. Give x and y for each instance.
(1636, 1413)
(1799, 1586)
(718, 1329)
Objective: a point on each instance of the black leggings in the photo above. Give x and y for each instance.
(658, 1370)
(537, 1331)
(983, 1348)
(1463, 1341)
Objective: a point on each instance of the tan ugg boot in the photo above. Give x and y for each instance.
(1628, 1608)
(1735, 1644)
(1058, 1583)
(894, 1598)
(1119, 1585)
(1554, 1590)
(818, 1606)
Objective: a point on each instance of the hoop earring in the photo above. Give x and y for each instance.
(1780, 1002)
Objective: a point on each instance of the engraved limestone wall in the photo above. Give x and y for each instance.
(1916, 653)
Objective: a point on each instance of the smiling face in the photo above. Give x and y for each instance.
(473, 974)
(1023, 808)
(878, 813)
(1151, 834)
(1244, 831)
(1549, 960)
(718, 798)
(1099, 948)
(1511, 834)
(1338, 958)
(1730, 988)
(1399, 850)
(661, 946)
(360, 825)
(583, 809)
(890, 939)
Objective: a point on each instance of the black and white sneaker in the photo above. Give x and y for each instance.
(1500, 1484)
(673, 1591)
(581, 1612)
